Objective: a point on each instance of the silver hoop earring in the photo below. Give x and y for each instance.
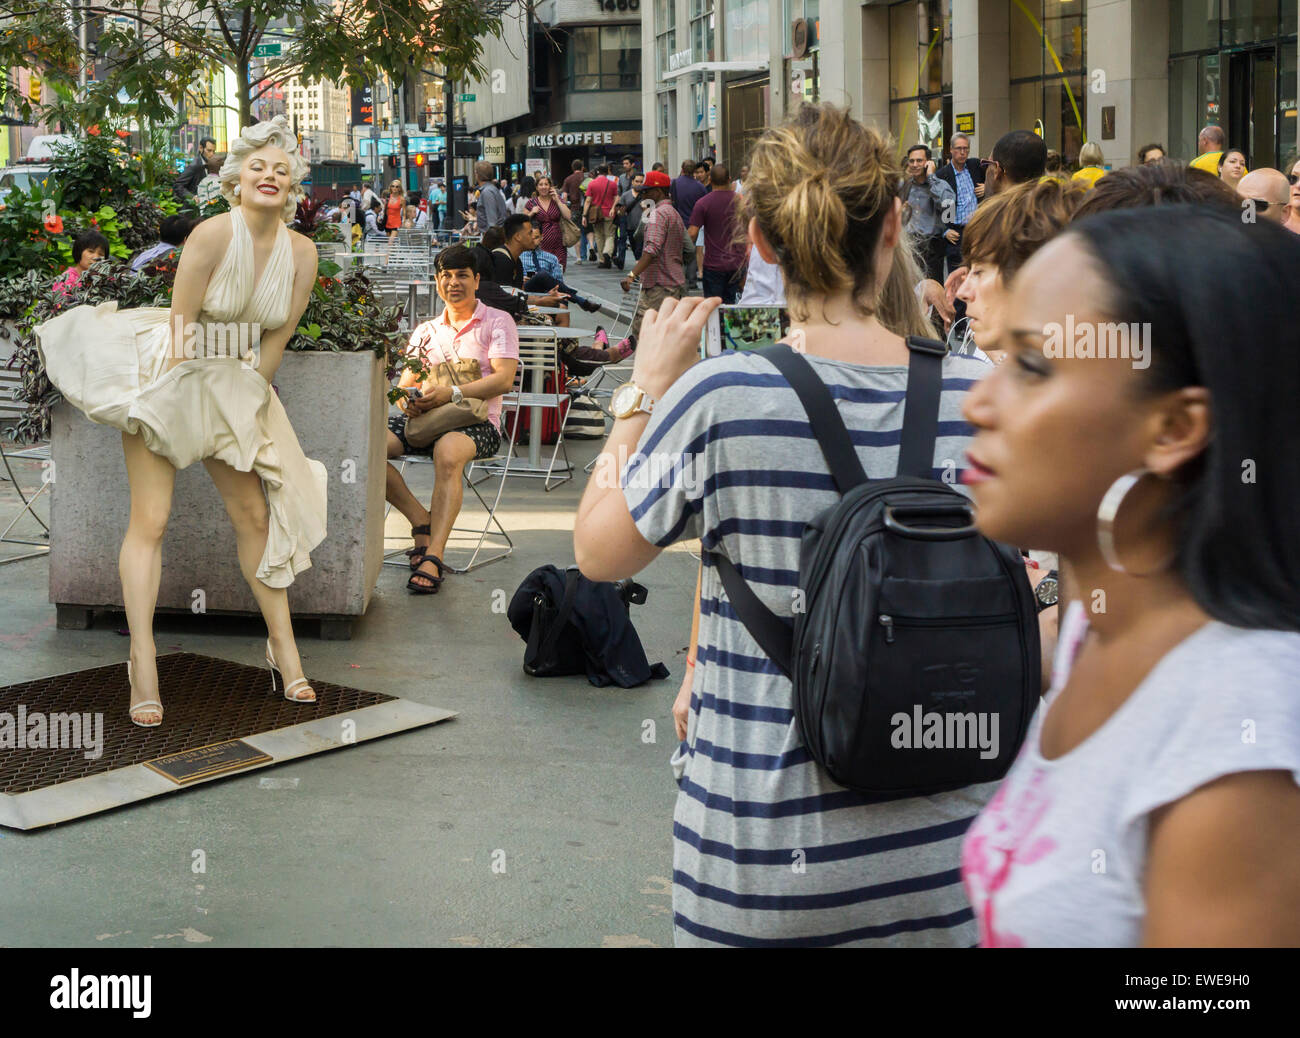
(237, 187)
(1109, 508)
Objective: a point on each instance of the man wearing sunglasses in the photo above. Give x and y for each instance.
(1266, 193)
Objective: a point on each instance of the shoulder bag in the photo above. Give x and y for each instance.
(423, 429)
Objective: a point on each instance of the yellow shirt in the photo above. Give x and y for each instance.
(1209, 162)
(1089, 176)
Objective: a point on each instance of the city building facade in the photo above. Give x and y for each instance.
(1123, 73)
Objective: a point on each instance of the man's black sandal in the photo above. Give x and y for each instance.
(430, 588)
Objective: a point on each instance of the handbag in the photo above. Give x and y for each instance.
(423, 429)
(570, 231)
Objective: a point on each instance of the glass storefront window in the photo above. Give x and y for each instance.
(919, 70)
(1048, 58)
(665, 33)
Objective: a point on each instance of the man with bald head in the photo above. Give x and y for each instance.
(1267, 193)
(1210, 142)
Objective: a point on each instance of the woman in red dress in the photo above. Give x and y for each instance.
(547, 210)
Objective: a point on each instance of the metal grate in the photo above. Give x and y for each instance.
(205, 700)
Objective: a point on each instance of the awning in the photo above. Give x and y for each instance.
(718, 66)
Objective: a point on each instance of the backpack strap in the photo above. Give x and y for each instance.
(921, 411)
(827, 425)
(774, 634)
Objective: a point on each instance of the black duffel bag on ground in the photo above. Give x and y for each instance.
(915, 658)
(577, 626)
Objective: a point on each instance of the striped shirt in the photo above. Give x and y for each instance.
(767, 849)
(664, 236)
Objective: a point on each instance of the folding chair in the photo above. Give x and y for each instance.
(539, 357)
(39, 453)
(596, 383)
(398, 557)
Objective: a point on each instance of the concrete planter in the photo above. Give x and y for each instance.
(338, 406)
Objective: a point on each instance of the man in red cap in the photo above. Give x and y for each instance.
(660, 267)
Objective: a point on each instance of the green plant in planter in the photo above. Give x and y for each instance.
(104, 221)
(25, 241)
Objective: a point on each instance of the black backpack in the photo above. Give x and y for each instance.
(915, 654)
(573, 625)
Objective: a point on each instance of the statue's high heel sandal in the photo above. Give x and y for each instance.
(290, 693)
(149, 704)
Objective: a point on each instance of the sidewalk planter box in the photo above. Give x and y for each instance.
(337, 403)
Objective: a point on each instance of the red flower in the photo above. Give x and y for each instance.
(93, 130)
(53, 223)
(124, 134)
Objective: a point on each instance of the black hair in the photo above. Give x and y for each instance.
(630, 158)
(493, 238)
(1229, 151)
(512, 224)
(919, 147)
(576, 165)
(88, 240)
(206, 140)
(527, 187)
(175, 229)
(1148, 148)
(456, 257)
(1219, 300)
(1022, 155)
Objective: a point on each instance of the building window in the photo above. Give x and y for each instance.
(702, 30)
(746, 28)
(665, 33)
(1048, 39)
(665, 122)
(606, 57)
(704, 118)
(920, 72)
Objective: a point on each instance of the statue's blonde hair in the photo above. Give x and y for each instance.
(275, 133)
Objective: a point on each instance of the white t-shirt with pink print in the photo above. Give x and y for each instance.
(1058, 856)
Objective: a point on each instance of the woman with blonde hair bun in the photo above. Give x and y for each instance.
(193, 383)
(745, 474)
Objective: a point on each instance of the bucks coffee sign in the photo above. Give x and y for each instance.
(570, 140)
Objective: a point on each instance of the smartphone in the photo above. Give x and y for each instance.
(743, 328)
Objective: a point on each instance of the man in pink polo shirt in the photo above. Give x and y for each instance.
(466, 328)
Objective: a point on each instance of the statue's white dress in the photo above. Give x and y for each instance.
(109, 364)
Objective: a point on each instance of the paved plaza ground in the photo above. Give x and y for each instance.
(391, 841)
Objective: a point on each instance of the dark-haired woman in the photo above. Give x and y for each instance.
(1232, 167)
(88, 248)
(1156, 800)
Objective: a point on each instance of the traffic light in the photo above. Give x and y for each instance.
(419, 158)
(406, 143)
(392, 161)
(423, 121)
(34, 90)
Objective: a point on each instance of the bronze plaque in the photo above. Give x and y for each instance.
(207, 761)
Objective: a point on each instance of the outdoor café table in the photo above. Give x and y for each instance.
(534, 331)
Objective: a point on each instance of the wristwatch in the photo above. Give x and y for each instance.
(1047, 591)
(630, 399)
(456, 395)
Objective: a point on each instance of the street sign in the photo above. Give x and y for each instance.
(494, 149)
(266, 50)
(467, 98)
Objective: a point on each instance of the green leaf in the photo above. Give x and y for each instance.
(327, 268)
